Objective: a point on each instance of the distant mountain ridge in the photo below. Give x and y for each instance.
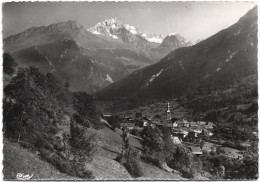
(104, 57)
(214, 63)
(175, 40)
(111, 26)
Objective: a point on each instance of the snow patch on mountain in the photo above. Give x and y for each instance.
(50, 63)
(180, 63)
(231, 56)
(173, 34)
(157, 38)
(131, 29)
(154, 76)
(238, 32)
(96, 32)
(109, 79)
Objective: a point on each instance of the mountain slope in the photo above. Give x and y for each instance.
(70, 30)
(214, 63)
(90, 59)
(20, 160)
(71, 52)
(64, 59)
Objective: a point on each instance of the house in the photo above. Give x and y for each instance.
(193, 124)
(129, 126)
(208, 148)
(207, 133)
(183, 123)
(139, 115)
(141, 123)
(175, 140)
(209, 125)
(201, 122)
(181, 134)
(106, 115)
(198, 129)
(174, 122)
(195, 150)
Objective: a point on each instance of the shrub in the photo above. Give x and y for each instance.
(182, 161)
(114, 121)
(82, 147)
(136, 132)
(132, 165)
(85, 107)
(152, 159)
(151, 139)
(129, 157)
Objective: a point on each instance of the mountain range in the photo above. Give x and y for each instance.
(214, 63)
(90, 58)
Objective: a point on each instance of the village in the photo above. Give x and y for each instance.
(195, 135)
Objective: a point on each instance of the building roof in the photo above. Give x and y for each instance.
(210, 124)
(201, 122)
(193, 123)
(176, 140)
(196, 150)
(107, 115)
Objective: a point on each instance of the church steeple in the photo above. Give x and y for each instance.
(168, 113)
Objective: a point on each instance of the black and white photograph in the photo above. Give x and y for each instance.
(118, 90)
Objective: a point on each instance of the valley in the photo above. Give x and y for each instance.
(106, 100)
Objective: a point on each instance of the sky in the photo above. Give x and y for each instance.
(193, 20)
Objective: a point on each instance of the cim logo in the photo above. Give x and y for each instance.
(22, 176)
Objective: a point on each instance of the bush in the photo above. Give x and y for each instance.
(130, 160)
(132, 165)
(136, 132)
(129, 157)
(85, 107)
(151, 139)
(152, 159)
(114, 121)
(81, 146)
(182, 161)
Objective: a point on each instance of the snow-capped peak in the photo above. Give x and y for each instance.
(157, 38)
(170, 34)
(108, 27)
(113, 23)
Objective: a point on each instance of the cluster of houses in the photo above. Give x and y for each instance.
(185, 132)
(182, 130)
(180, 127)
